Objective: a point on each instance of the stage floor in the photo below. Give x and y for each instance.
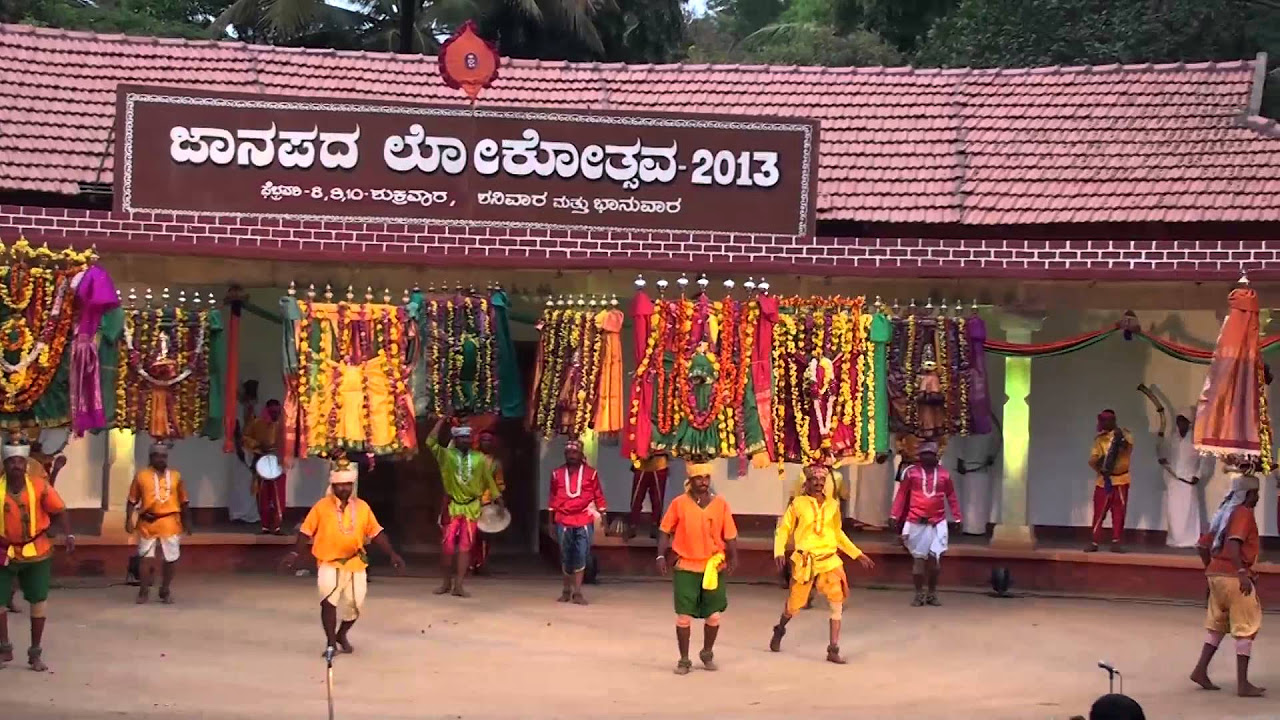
(246, 647)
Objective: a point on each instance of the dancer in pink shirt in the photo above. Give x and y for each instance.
(920, 512)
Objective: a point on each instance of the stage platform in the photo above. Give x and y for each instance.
(220, 549)
(1057, 565)
(1053, 567)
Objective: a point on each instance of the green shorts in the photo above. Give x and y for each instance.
(695, 602)
(32, 577)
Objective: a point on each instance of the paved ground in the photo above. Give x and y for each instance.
(247, 647)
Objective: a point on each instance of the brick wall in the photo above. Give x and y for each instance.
(438, 244)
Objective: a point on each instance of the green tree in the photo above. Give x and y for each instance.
(1022, 33)
(817, 44)
(164, 18)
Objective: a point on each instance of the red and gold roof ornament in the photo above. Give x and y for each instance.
(468, 61)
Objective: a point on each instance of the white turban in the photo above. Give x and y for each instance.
(344, 475)
(21, 450)
(462, 431)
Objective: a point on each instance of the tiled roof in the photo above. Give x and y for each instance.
(1146, 143)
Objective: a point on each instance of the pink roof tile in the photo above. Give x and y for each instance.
(1136, 143)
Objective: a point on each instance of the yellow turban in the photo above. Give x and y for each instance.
(700, 469)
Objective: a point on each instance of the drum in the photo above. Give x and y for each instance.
(268, 467)
(493, 519)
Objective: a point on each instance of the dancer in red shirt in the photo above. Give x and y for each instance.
(920, 511)
(575, 487)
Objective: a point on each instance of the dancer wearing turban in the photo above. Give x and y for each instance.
(575, 500)
(1229, 551)
(1109, 458)
(468, 482)
(699, 529)
(920, 513)
(26, 553)
(164, 513)
(338, 528)
(813, 522)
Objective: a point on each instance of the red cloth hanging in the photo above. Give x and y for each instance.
(231, 389)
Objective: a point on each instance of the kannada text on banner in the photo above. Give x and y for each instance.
(263, 156)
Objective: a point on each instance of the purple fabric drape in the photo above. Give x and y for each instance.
(979, 399)
(96, 296)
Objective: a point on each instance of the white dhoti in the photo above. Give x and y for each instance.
(1183, 516)
(923, 539)
(1182, 513)
(342, 589)
(169, 547)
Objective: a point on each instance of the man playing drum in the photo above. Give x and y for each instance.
(268, 475)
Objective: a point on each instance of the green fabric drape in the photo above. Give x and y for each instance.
(881, 331)
(110, 330)
(511, 401)
(217, 341)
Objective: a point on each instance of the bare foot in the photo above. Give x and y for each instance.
(683, 667)
(834, 656)
(565, 596)
(144, 596)
(166, 597)
(460, 593)
(444, 589)
(578, 599)
(1251, 690)
(345, 646)
(1202, 679)
(6, 654)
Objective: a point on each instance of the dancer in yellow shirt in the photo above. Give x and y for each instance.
(812, 522)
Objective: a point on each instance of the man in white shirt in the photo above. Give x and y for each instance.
(1185, 470)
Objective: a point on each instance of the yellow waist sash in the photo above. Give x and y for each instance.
(711, 575)
(28, 550)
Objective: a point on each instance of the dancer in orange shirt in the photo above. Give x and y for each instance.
(338, 528)
(164, 513)
(699, 528)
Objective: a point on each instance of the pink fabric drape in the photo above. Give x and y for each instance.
(95, 297)
(762, 369)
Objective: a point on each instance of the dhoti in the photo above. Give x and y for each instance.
(343, 589)
(924, 539)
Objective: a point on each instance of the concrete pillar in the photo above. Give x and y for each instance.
(120, 470)
(1014, 530)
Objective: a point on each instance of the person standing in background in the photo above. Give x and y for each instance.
(1185, 472)
(1109, 458)
(488, 447)
(261, 438)
(649, 480)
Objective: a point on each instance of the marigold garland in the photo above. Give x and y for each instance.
(37, 308)
(165, 359)
(369, 339)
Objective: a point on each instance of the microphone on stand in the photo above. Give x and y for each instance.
(1111, 675)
